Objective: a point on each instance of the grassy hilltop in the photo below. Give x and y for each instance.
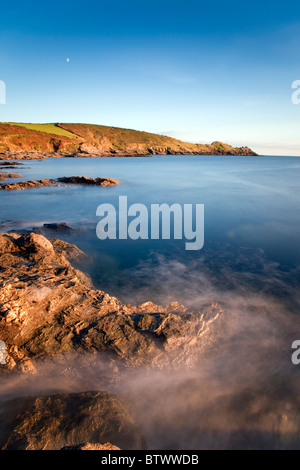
(91, 139)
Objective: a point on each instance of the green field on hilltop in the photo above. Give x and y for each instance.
(48, 128)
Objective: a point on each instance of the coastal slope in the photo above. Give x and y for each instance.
(60, 139)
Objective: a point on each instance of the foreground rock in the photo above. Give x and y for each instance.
(82, 180)
(56, 421)
(88, 181)
(28, 184)
(48, 309)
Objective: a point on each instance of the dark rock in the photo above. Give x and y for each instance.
(28, 184)
(48, 229)
(9, 164)
(53, 422)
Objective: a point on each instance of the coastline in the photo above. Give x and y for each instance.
(33, 155)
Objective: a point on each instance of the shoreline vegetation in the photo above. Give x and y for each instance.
(38, 141)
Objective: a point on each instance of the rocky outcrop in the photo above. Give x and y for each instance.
(28, 184)
(82, 180)
(49, 309)
(88, 181)
(5, 176)
(89, 446)
(9, 164)
(79, 140)
(53, 422)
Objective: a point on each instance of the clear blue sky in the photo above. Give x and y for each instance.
(199, 71)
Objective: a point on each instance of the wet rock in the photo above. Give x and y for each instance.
(5, 164)
(82, 180)
(88, 181)
(89, 446)
(49, 309)
(58, 227)
(51, 228)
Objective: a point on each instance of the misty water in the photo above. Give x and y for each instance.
(246, 392)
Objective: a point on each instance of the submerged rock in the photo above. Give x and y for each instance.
(53, 422)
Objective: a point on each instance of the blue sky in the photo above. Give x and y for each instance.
(198, 71)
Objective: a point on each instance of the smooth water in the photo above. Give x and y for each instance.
(252, 220)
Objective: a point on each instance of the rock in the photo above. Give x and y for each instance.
(64, 179)
(28, 185)
(34, 243)
(48, 229)
(58, 227)
(12, 167)
(53, 422)
(5, 176)
(88, 181)
(89, 446)
(49, 309)
(9, 164)
(2, 353)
